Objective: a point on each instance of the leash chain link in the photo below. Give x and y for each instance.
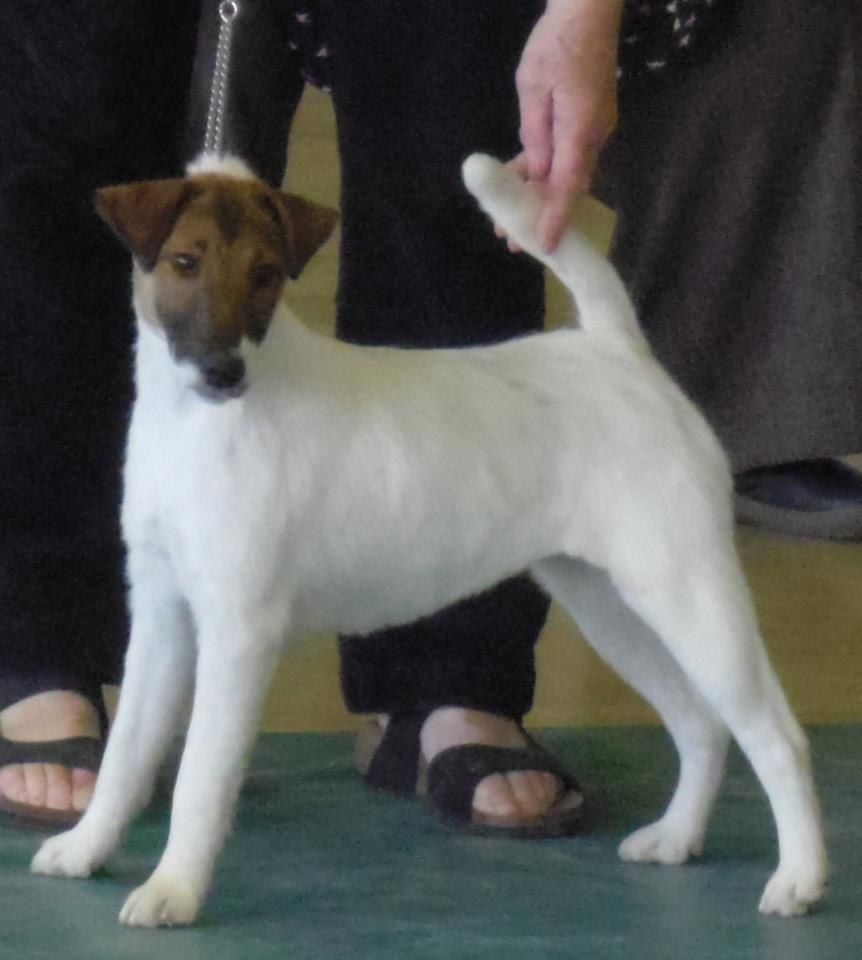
(228, 11)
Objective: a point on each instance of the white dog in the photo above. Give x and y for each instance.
(340, 488)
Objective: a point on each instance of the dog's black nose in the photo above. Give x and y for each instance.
(224, 374)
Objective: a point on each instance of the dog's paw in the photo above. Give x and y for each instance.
(72, 854)
(164, 900)
(792, 892)
(660, 842)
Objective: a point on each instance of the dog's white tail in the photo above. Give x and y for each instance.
(604, 306)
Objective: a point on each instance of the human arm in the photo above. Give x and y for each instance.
(567, 92)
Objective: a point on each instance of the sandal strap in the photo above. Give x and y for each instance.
(78, 753)
(454, 774)
(395, 764)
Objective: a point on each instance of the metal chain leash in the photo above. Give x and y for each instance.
(228, 12)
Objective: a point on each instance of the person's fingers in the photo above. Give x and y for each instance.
(565, 180)
(577, 142)
(536, 131)
(519, 165)
(566, 83)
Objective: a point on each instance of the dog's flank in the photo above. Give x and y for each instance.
(347, 489)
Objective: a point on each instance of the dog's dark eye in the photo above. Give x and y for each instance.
(265, 274)
(186, 264)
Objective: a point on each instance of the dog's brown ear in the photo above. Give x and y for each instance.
(143, 214)
(307, 225)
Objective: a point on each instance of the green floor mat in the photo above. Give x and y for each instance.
(319, 867)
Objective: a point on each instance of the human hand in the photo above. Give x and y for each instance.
(567, 91)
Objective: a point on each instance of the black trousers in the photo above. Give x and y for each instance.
(91, 92)
(414, 95)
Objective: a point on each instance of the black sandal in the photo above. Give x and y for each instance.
(450, 780)
(78, 753)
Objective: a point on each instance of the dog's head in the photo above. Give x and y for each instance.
(212, 253)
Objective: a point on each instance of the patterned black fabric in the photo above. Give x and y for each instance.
(655, 35)
(310, 43)
(659, 34)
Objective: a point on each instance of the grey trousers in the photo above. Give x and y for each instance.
(738, 182)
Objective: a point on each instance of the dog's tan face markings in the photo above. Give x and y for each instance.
(220, 272)
(214, 253)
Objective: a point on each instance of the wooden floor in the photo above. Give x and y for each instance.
(809, 594)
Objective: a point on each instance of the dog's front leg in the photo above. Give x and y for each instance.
(234, 668)
(156, 685)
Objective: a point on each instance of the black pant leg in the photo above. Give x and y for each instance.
(91, 93)
(417, 88)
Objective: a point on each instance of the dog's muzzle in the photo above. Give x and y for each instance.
(222, 378)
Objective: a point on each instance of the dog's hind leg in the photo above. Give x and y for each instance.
(628, 645)
(156, 684)
(694, 596)
(235, 663)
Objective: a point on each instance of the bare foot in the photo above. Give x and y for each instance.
(521, 794)
(54, 715)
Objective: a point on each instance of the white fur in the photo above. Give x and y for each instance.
(354, 488)
(221, 164)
